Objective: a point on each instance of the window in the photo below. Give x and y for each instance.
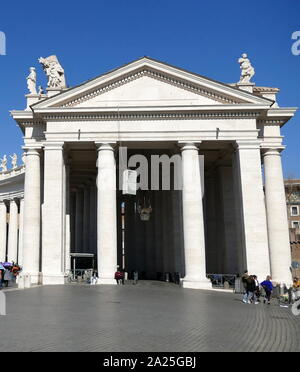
(296, 224)
(295, 211)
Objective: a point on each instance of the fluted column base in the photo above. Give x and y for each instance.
(205, 284)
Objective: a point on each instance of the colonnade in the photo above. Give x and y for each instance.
(262, 219)
(11, 229)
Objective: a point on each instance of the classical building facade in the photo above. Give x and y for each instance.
(220, 221)
(292, 192)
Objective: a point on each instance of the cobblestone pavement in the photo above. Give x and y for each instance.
(147, 317)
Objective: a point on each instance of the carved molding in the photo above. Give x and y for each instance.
(271, 122)
(154, 116)
(158, 76)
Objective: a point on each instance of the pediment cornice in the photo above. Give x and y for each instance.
(157, 76)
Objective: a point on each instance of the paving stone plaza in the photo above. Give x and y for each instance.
(148, 317)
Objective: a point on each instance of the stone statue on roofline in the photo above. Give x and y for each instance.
(247, 70)
(3, 164)
(24, 158)
(54, 72)
(14, 161)
(31, 81)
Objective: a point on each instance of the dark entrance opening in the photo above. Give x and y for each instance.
(153, 245)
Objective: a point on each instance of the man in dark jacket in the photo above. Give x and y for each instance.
(244, 278)
(251, 286)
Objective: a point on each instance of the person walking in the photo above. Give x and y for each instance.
(118, 277)
(135, 277)
(244, 278)
(257, 289)
(296, 283)
(268, 287)
(250, 290)
(296, 288)
(7, 276)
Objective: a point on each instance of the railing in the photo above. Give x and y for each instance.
(226, 281)
(12, 172)
(79, 275)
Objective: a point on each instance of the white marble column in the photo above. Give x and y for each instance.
(277, 220)
(67, 265)
(193, 224)
(93, 218)
(107, 217)
(21, 224)
(230, 259)
(32, 215)
(252, 208)
(3, 231)
(53, 215)
(12, 250)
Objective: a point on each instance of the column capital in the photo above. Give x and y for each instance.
(13, 200)
(109, 146)
(32, 150)
(272, 151)
(48, 146)
(189, 145)
(247, 145)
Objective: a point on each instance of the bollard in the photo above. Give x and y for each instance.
(2, 303)
(21, 281)
(27, 280)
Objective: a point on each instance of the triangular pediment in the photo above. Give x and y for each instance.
(147, 82)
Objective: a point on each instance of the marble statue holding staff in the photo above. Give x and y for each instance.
(54, 72)
(247, 69)
(14, 161)
(31, 81)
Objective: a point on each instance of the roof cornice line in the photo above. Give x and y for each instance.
(162, 68)
(132, 109)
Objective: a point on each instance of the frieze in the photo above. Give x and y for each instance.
(157, 116)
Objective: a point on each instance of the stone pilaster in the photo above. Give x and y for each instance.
(32, 214)
(79, 221)
(93, 219)
(12, 251)
(193, 224)
(67, 265)
(230, 262)
(86, 220)
(107, 218)
(277, 220)
(252, 208)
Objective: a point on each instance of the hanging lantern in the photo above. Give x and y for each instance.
(129, 182)
(144, 210)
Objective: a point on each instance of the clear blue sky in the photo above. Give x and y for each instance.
(206, 37)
